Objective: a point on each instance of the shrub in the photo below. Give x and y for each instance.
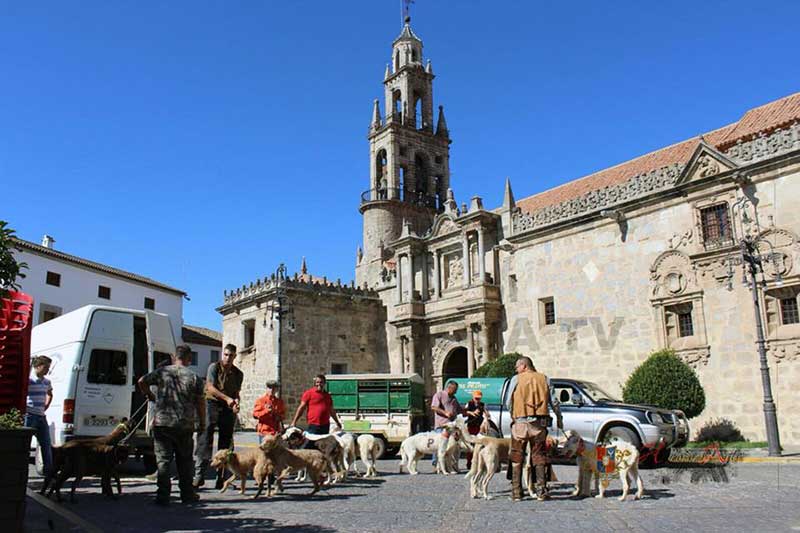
(501, 367)
(665, 381)
(10, 269)
(11, 420)
(719, 430)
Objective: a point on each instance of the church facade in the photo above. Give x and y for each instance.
(587, 278)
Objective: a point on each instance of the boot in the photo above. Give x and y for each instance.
(541, 483)
(516, 482)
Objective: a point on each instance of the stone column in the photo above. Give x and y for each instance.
(424, 275)
(470, 351)
(412, 354)
(437, 274)
(483, 338)
(481, 256)
(399, 278)
(411, 276)
(465, 260)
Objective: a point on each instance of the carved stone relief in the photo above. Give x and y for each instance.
(707, 166)
(454, 272)
(671, 274)
(781, 351)
(681, 240)
(695, 358)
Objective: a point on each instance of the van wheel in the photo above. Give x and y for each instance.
(149, 461)
(381, 444)
(623, 433)
(38, 461)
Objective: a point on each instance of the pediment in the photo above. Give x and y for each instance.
(706, 161)
(443, 225)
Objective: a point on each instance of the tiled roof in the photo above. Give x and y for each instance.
(61, 256)
(761, 119)
(199, 335)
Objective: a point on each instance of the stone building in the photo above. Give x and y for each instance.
(588, 278)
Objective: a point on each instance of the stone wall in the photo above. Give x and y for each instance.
(330, 325)
(609, 325)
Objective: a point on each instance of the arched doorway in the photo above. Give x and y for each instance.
(455, 364)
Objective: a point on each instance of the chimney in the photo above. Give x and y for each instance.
(48, 241)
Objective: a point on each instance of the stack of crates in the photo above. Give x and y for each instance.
(16, 311)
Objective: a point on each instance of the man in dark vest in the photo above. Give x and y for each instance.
(223, 383)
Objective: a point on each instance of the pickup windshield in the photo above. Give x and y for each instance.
(596, 393)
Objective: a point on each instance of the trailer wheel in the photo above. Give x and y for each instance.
(381, 442)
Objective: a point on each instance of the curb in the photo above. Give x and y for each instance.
(66, 514)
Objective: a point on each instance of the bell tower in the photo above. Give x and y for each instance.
(409, 158)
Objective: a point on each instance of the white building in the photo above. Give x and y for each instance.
(60, 283)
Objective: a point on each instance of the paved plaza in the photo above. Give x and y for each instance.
(747, 496)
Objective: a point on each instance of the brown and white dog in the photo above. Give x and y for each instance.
(603, 462)
(327, 444)
(242, 464)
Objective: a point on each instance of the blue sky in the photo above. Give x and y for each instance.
(202, 143)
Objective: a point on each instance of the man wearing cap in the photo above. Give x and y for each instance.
(474, 411)
(269, 410)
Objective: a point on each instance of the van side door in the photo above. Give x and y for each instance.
(105, 374)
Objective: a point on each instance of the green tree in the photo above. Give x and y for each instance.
(10, 269)
(501, 367)
(665, 381)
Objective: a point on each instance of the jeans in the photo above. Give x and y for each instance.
(316, 429)
(217, 415)
(167, 442)
(39, 423)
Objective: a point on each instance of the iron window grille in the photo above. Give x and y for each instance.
(789, 311)
(685, 326)
(715, 222)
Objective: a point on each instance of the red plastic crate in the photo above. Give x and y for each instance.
(16, 311)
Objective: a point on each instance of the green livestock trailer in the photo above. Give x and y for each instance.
(389, 406)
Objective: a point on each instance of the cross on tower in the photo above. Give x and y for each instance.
(407, 10)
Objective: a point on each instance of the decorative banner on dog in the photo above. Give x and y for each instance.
(605, 459)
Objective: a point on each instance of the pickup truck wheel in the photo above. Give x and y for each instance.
(623, 433)
(381, 445)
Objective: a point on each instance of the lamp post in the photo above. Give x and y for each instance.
(752, 260)
(281, 307)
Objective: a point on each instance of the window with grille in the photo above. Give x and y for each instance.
(104, 292)
(716, 226)
(789, 311)
(685, 327)
(149, 303)
(54, 279)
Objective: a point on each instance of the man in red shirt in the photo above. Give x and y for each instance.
(320, 408)
(269, 411)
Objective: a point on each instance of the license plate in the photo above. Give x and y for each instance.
(99, 422)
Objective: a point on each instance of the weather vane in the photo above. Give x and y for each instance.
(407, 11)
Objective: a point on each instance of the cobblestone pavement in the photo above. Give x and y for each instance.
(763, 497)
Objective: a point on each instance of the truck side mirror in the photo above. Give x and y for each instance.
(577, 399)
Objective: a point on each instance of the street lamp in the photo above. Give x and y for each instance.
(281, 307)
(752, 259)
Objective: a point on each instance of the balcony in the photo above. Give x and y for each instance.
(404, 195)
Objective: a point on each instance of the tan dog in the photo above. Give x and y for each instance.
(286, 461)
(242, 464)
(368, 448)
(619, 456)
(487, 455)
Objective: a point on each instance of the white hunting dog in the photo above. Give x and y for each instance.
(368, 449)
(348, 444)
(446, 445)
(617, 458)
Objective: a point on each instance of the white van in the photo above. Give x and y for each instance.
(98, 354)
